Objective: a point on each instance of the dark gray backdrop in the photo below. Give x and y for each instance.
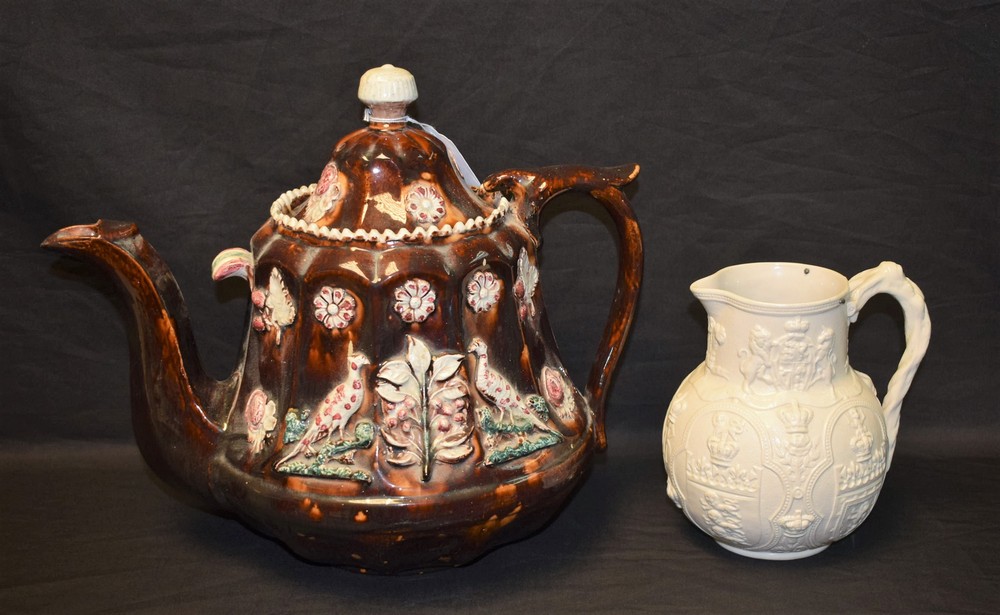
(837, 134)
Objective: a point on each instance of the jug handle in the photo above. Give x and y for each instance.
(888, 278)
(531, 191)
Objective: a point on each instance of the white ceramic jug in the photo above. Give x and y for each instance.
(774, 445)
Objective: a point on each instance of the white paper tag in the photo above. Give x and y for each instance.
(456, 156)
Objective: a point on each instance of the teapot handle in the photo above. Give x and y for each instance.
(888, 278)
(531, 191)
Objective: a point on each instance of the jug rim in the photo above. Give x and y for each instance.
(740, 285)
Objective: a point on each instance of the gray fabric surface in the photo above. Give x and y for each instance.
(838, 134)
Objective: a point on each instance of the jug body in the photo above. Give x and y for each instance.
(775, 445)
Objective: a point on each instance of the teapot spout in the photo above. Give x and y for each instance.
(177, 409)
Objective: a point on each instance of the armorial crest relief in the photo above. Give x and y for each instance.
(791, 362)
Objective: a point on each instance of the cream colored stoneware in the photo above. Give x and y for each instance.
(774, 445)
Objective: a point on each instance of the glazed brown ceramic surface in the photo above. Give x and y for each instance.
(400, 404)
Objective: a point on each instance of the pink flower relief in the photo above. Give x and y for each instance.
(415, 300)
(553, 387)
(483, 291)
(335, 307)
(327, 180)
(261, 418)
(327, 192)
(258, 297)
(424, 203)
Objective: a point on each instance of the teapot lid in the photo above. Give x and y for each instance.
(390, 181)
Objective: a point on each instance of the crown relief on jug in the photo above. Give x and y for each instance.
(399, 377)
(774, 445)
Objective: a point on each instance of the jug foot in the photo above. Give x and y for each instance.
(788, 555)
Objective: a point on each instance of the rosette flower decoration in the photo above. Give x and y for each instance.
(415, 300)
(424, 203)
(483, 291)
(335, 307)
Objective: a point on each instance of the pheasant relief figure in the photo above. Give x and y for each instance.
(515, 409)
(336, 409)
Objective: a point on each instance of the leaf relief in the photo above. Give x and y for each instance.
(425, 408)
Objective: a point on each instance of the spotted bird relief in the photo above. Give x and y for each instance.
(514, 424)
(320, 441)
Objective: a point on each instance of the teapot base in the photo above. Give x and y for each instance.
(395, 534)
(773, 556)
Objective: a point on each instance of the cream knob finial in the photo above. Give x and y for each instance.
(387, 84)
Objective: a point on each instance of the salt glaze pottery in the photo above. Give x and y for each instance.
(399, 404)
(774, 445)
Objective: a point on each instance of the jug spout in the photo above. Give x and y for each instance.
(176, 407)
(710, 292)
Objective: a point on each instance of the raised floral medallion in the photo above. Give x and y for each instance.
(415, 300)
(335, 307)
(325, 196)
(483, 290)
(424, 203)
(261, 417)
(558, 392)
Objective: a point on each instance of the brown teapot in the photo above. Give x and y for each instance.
(399, 404)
